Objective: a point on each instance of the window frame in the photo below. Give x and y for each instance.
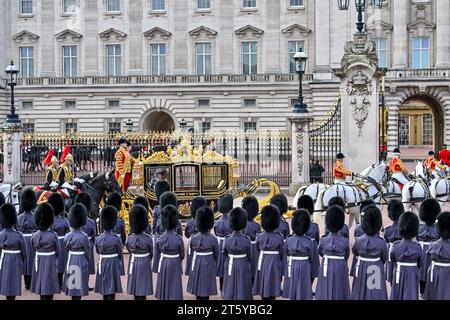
(65, 102)
(73, 69)
(30, 61)
(202, 126)
(63, 6)
(152, 6)
(292, 53)
(421, 50)
(244, 123)
(204, 56)
(385, 50)
(113, 100)
(70, 124)
(249, 106)
(114, 56)
(159, 57)
(113, 11)
(251, 54)
(245, 4)
(300, 6)
(198, 8)
(29, 124)
(115, 123)
(26, 14)
(203, 99)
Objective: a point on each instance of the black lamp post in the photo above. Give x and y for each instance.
(360, 7)
(12, 71)
(300, 61)
(183, 124)
(129, 124)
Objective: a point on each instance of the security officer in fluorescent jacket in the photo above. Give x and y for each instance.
(124, 165)
(340, 173)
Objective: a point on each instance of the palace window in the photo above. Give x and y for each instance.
(158, 59)
(69, 61)
(26, 7)
(294, 47)
(70, 6)
(403, 129)
(249, 4)
(421, 52)
(249, 102)
(206, 126)
(427, 129)
(71, 127)
(158, 5)
(295, 3)
(28, 127)
(26, 62)
(70, 104)
(249, 58)
(250, 126)
(113, 59)
(203, 53)
(113, 103)
(203, 103)
(203, 4)
(382, 52)
(114, 127)
(113, 6)
(27, 104)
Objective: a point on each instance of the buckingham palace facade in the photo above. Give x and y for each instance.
(90, 65)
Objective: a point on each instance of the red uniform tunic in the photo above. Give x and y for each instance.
(444, 157)
(431, 163)
(396, 165)
(340, 173)
(124, 167)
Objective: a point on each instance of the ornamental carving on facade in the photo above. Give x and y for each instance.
(300, 136)
(360, 111)
(359, 85)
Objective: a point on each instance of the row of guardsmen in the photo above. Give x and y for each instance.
(55, 254)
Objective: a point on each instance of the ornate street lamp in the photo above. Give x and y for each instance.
(183, 124)
(129, 124)
(360, 8)
(12, 71)
(300, 61)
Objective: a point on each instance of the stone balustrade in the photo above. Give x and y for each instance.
(418, 74)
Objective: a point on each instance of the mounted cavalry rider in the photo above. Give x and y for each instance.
(51, 174)
(340, 173)
(65, 176)
(398, 169)
(431, 163)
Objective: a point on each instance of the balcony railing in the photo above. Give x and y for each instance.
(162, 79)
(418, 74)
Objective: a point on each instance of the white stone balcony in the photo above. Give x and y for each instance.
(418, 74)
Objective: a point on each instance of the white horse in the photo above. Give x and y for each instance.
(11, 194)
(440, 187)
(353, 193)
(311, 190)
(415, 191)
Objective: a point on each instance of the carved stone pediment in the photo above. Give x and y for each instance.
(202, 30)
(25, 35)
(296, 28)
(249, 31)
(68, 34)
(155, 32)
(111, 32)
(421, 24)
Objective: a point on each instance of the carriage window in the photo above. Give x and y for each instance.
(214, 177)
(153, 174)
(186, 178)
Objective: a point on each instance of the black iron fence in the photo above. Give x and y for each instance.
(260, 154)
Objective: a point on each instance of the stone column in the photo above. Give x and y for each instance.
(300, 150)
(442, 34)
(400, 35)
(360, 103)
(47, 39)
(12, 156)
(90, 39)
(179, 35)
(322, 69)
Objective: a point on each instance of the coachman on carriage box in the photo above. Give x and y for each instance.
(124, 165)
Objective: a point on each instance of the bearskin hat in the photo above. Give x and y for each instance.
(27, 199)
(85, 199)
(169, 217)
(115, 200)
(204, 219)
(140, 200)
(43, 216)
(56, 200)
(251, 205)
(280, 201)
(429, 210)
(301, 221)
(138, 217)
(270, 218)
(334, 218)
(238, 219)
(395, 209)
(337, 201)
(372, 220)
(365, 203)
(226, 203)
(197, 203)
(408, 225)
(160, 188)
(78, 215)
(108, 218)
(8, 215)
(306, 202)
(168, 198)
(443, 225)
